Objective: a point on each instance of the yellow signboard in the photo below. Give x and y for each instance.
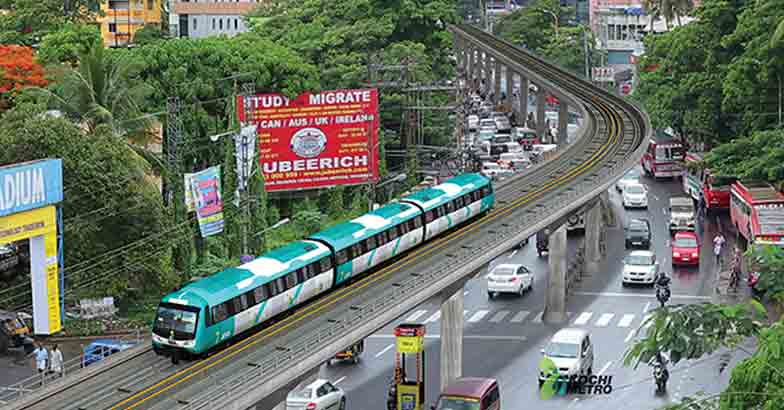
(410, 344)
(40, 227)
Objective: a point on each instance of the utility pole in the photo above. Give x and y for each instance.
(173, 137)
(587, 56)
(248, 90)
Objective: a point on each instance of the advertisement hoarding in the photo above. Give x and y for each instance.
(30, 185)
(315, 140)
(603, 74)
(206, 194)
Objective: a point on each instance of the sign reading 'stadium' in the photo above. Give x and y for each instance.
(30, 185)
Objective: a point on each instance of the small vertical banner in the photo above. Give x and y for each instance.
(245, 150)
(190, 206)
(206, 191)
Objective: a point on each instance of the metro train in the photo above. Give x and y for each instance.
(205, 314)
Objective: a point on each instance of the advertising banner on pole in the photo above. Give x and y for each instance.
(315, 140)
(190, 205)
(30, 185)
(206, 191)
(603, 74)
(245, 151)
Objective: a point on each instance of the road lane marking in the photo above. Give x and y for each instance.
(416, 315)
(614, 128)
(639, 295)
(583, 318)
(605, 319)
(664, 211)
(513, 254)
(465, 292)
(499, 316)
(629, 336)
(478, 316)
(384, 350)
(604, 369)
(519, 317)
(434, 317)
(339, 380)
(538, 318)
(626, 320)
(473, 337)
(647, 306)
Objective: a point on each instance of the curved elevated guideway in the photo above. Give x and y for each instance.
(268, 362)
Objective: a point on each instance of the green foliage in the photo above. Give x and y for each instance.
(231, 227)
(769, 261)
(28, 21)
(758, 381)
(757, 157)
(308, 221)
(412, 168)
(687, 332)
(148, 34)
(258, 209)
(110, 203)
(335, 203)
(212, 264)
(66, 44)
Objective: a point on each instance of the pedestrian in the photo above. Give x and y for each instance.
(701, 206)
(718, 244)
(56, 361)
(41, 357)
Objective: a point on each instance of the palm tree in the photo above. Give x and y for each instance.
(778, 35)
(102, 90)
(668, 9)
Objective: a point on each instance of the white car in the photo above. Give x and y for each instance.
(493, 170)
(509, 278)
(571, 351)
(635, 196)
(514, 160)
(487, 124)
(473, 122)
(631, 176)
(319, 395)
(640, 267)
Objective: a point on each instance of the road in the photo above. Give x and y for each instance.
(503, 336)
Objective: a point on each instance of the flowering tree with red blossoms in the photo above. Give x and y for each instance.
(18, 70)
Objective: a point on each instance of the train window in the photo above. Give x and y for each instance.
(326, 264)
(302, 274)
(372, 243)
(251, 298)
(260, 294)
(476, 196)
(392, 234)
(365, 246)
(291, 280)
(418, 222)
(411, 224)
(429, 217)
(403, 228)
(441, 211)
(314, 269)
(243, 299)
(449, 207)
(341, 257)
(219, 313)
(459, 202)
(281, 285)
(381, 238)
(356, 250)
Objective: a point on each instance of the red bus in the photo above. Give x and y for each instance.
(757, 211)
(662, 159)
(715, 189)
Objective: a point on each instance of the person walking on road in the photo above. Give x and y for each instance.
(56, 361)
(41, 358)
(718, 245)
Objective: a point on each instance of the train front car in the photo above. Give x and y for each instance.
(179, 321)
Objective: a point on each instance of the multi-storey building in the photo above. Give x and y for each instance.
(122, 18)
(204, 18)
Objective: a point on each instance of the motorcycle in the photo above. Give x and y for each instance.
(662, 294)
(660, 376)
(392, 397)
(753, 280)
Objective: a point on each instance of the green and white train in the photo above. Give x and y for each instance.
(210, 312)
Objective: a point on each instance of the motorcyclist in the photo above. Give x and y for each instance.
(662, 281)
(660, 362)
(392, 396)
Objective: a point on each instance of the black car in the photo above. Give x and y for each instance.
(638, 233)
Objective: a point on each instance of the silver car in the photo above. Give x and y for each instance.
(319, 395)
(631, 176)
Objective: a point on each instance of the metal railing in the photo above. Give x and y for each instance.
(69, 368)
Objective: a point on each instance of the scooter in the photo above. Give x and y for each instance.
(660, 376)
(753, 280)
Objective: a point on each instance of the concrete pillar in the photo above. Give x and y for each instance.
(563, 122)
(482, 72)
(555, 298)
(451, 337)
(593, 231)
(522, 95)
(281, 394)
(475, 67)
(541, 121)
(497, 83)
(509, 75)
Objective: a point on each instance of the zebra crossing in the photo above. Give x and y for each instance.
(593, 319)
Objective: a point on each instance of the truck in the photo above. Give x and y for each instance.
(14, 331)
(715, 189)
(757, 213)
(663, 156)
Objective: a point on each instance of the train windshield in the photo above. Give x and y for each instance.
(178, 321)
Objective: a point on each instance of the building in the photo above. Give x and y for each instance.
(122, 18)
(204, 18)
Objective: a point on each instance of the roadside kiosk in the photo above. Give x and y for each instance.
(410, 340)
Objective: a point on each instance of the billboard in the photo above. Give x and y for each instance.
(206, 193)
(315, 140)
(30, 185)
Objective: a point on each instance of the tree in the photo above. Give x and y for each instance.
(66, 44)
(687, 332)
(148, 34)
(110, 203)
(26, 22)
(768, 260)
(18, 70)
(258, 209)
(103, 90)
(757, 157)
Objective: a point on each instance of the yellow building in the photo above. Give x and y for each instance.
(122, 18)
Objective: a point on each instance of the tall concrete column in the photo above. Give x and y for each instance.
(475, 66)
(509, 75)
(541, 121)
(593, 231)
(497, 83)
(451, 337)
(555, 297)
(522, 94)
(563, 122)
(482, 72)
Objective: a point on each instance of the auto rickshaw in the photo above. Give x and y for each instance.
(542, 238)
(352, 353)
